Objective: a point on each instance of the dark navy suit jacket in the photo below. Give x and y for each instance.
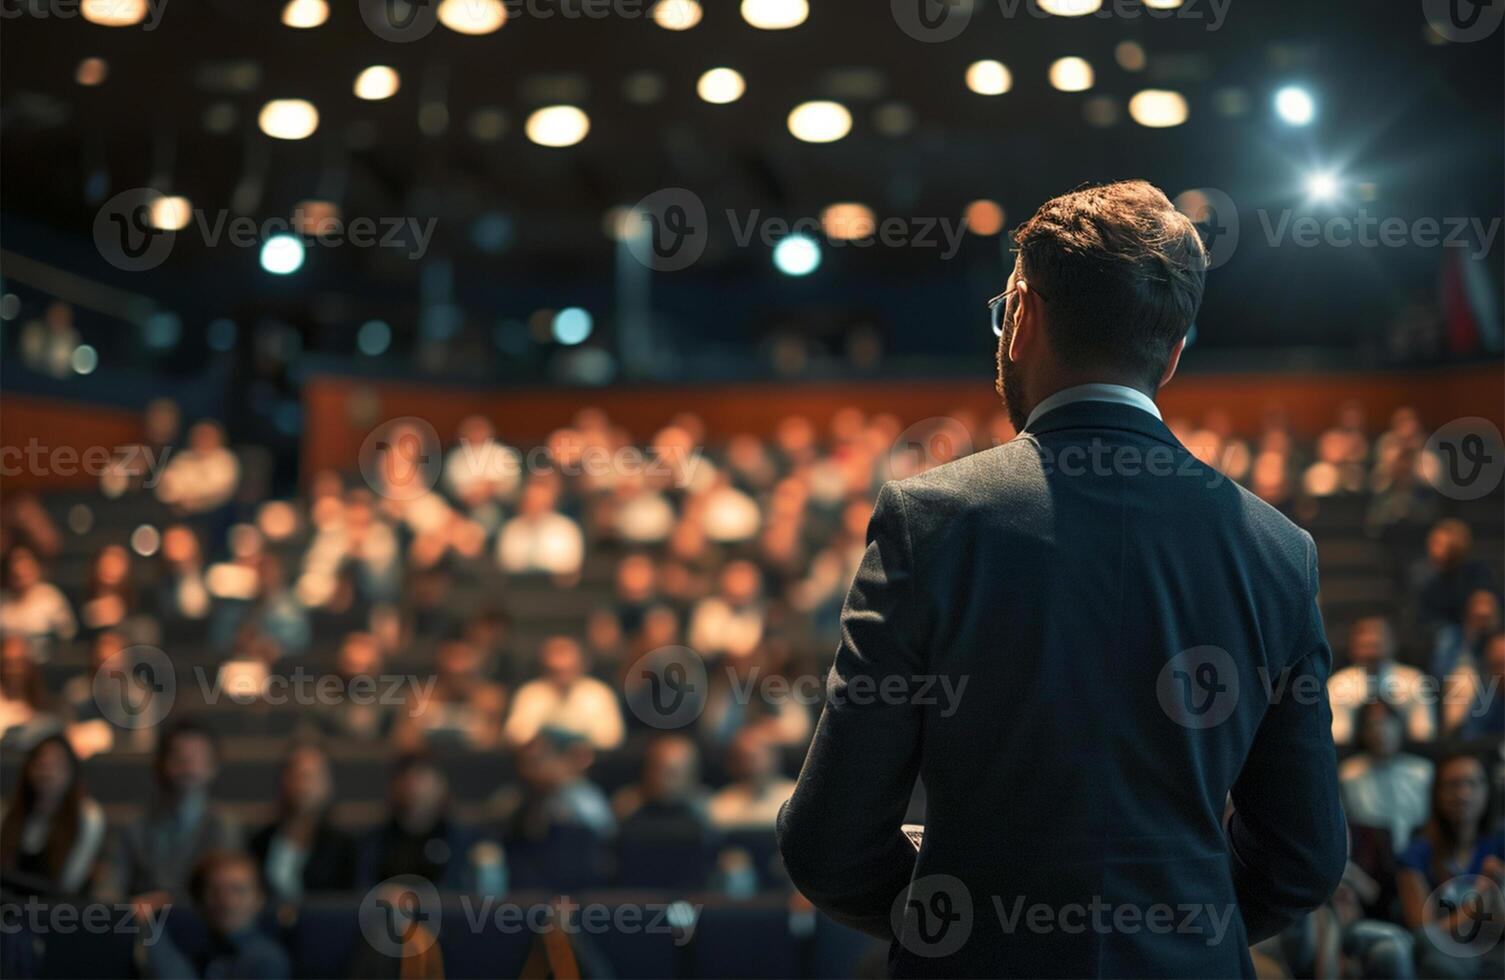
(1139, 644)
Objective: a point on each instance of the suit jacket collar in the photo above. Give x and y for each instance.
(1102, 415)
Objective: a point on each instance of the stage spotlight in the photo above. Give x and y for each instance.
(557, 125)
(820, 122)
(775, 15)
(572, 325)
(797, 255)
(720, 86)
(989, 77)
(282, 255)
(1295, 105)
(1323, 185)
(288, 119)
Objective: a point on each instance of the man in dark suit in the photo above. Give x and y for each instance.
(1104, 660)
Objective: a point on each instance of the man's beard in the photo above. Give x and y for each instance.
(1009, 384)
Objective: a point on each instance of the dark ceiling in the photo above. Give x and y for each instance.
(1420, 121)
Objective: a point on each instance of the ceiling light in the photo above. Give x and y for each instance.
(288, 119)
(304, 14)
(557, 125)
(775, 15)
(473, 17)
(989, 77)
(720, 86)
(376, 83)
(820, 122)
(1158, 108)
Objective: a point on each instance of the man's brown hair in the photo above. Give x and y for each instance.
(1121, 272)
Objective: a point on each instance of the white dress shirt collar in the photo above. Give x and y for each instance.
(1117, 394)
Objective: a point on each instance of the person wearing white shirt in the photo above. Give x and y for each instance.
(1375, 675)
(539, 539)
(565, 698)
(1382, 786)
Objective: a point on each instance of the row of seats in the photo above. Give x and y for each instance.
(637, 938)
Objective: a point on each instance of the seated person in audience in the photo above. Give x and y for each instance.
(1462, 644)
(1453, 848)
(565, 698)
(366, 716)
(1375, 675)
(1442, 585)
(52, 830)
(752, 801)
(301, 851)
(25, 709)
(730, 622)
(737, 699)
(80, 709)
(461, 706)
(1382, 786)
(555, 790)
(637, 591)
(227, 894)
(203, 475)
(669, 791)
(540, 539)
(110, 597)
(420, 836)
(157, 851)
(1473, 704)
(182, 588)
(31, 606)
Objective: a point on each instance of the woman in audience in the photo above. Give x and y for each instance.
(1474, 704)
(25, 708)
(31, 606)
(301, 851)
(52, 831)
(1451, 874)
(420, 836)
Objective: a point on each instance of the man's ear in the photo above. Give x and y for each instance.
(1027, 325)
(1170, 367)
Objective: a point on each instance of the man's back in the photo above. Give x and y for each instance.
(1125, 637)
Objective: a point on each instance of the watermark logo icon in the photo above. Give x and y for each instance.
(1216, 218)
(402, 458)
(400, 20)
(401, 916)
(668, 230)
(667, 687)
(1199, 687)
(124, 233)
(933, 917)
(1463, 21)
(932, 21)
(136, 687)
(926, 444)
(1470, 455)
(1466, 916)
